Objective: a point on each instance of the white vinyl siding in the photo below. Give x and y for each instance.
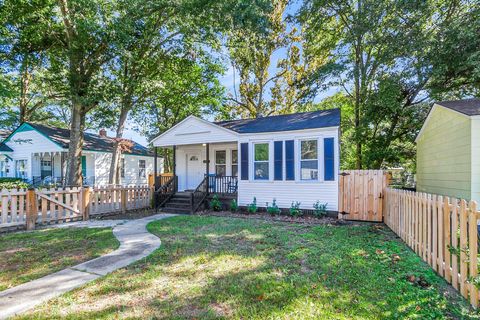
(304, 191)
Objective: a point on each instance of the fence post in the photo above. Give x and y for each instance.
(86, 203)
(124, 199)
(473, 251)
(32, 209)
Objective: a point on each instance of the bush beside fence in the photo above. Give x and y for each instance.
(27, 208)
(442, 231)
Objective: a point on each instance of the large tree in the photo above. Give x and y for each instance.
(381, 52)
(188, 87)
(264, 84)
(25, 35)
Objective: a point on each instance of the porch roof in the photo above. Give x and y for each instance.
(5, 148)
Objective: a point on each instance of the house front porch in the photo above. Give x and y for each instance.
(199, 171)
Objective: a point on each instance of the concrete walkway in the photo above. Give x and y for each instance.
(135, 243)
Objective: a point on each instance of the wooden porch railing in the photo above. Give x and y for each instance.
(166, 191)
(223, 185)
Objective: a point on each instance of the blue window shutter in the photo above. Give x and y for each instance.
(289, 160)
(278, 160)
(329, 159)
(244, 161)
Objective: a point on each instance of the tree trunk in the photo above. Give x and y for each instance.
(24, 88)
(77, 126)
(113, 177)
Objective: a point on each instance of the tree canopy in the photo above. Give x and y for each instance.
(85, 64)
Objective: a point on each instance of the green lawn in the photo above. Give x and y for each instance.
(30, 255)
(213, 268)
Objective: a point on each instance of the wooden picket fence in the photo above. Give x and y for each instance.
(442, 231)
(27, 208)
(119, 199)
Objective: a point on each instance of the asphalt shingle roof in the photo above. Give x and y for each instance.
(287, 122)
(92, 142)
(470, 107)
(5, 148)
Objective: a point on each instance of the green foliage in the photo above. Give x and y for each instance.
(320, 209)
(234, 206)
(295, 210)
(384, 74)
(216, 204)
(273, 209)
(252, 207)
(13, 183)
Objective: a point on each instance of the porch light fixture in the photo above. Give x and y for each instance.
(204, 144)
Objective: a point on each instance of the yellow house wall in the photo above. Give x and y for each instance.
(475, 141)
(444, 151)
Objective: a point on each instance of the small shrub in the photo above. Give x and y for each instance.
(234, 206)
(13, 183)
(295, 209)
(320, 209)
(273, 209)
(252, 207)
(215, 204)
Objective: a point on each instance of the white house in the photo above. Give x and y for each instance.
(289, 158)
(38, 153)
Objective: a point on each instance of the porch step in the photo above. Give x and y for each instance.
(175, 210)
(178, 203)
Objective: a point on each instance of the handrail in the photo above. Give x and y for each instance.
(166, 191)
(199, 195)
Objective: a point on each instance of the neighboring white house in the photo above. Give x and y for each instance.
(289, 158)
(38, 153)
(448, 150)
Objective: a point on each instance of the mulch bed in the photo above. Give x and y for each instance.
(307, 219)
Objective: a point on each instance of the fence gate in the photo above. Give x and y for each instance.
(361, 193)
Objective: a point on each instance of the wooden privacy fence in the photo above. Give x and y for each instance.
(442, 231)
(46, 206)
(361, 193)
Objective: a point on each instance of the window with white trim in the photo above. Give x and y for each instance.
(235, 163)
(220, 162)
(141, 168)
(260, 161)
(309, 160)
(122, 167)
(21, 168)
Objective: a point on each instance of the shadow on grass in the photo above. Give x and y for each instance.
(210, 267)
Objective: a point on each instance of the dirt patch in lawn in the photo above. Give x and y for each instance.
(129, 215)
(307, 219)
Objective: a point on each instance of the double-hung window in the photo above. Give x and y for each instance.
(141, 168)
(220, 162)
(260, 161)
(309, 160)
(234, 163)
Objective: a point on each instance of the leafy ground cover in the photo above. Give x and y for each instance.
(216, 268)
(30, 255)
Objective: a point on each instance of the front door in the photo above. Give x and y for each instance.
(195, 170)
